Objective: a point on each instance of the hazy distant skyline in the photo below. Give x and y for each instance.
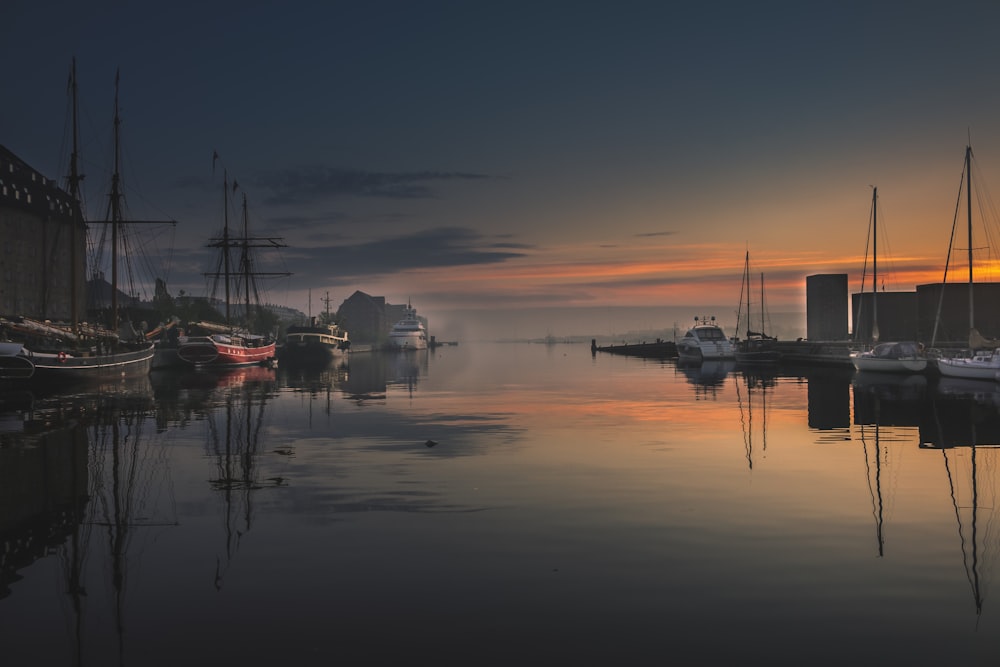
(496, 156)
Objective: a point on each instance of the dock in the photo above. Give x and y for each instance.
(793, 352)
(659, 349)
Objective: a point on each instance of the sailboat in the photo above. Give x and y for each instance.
(885, 357)
(227, 344)
(984, 361)
(756, 347)
(63, 352)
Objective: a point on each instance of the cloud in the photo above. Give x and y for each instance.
(432, 248)
(311, 183)
(649, 234)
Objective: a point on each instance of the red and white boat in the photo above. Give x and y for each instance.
(227, 350)
(227, 345)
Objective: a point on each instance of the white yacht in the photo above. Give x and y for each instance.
(409, 333)
(705, 340)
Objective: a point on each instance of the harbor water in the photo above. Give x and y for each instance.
(501, 503)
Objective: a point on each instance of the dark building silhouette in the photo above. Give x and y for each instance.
(362, 316)
(44, 244)
(901, 315)
(826, 307)
(954, 321)
(368, 319)
(896, 316)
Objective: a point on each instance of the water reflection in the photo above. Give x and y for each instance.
(89, 481)
(707, 377)
(964, 426)
(553, 484)
(752, 387)
(234, 420)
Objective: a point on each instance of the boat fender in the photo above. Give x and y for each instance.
(62, 356)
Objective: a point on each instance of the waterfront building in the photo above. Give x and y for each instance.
(43, 254)
(369, 319)
(826, 307)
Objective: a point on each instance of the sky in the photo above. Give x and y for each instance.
(499, 165)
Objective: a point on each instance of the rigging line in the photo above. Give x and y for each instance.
(864, 269)
(951, 246)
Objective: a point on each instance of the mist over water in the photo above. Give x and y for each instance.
(605, 323)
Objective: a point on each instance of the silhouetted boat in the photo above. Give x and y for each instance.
(756, 346)
(72, 352)
(885, 357)
(982, 360)
(227, 344)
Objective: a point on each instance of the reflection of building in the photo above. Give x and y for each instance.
(37, 258)
(368, 319)
(43, 488)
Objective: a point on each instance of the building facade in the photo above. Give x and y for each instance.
(43, 254)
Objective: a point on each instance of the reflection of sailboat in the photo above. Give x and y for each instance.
(887, 408)
(966, 448)
(118, 482)
(757, 385)
(872, 447)
(234, 431)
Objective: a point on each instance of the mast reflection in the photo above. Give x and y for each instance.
(234, 427)
(964, 426)
(756, 384)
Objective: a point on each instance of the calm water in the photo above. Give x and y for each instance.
(492, 503)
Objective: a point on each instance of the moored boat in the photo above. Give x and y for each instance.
(314, 342)
(980, 365)
(705, 341)
(981, 361)
(59, 352)
(408, 333)
(229, 344)
(885, 357)
(756, 346)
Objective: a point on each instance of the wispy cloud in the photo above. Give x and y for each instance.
(430, 249)
(298, 185)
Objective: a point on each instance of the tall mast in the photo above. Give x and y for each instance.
(746, 277)
(225, 236)
(115, 208)
(245, 262)
(73, 181)
(762, 304)
(875, 264)
(968, 202)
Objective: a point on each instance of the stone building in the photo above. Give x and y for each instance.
(43, 253)
(368, 319)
